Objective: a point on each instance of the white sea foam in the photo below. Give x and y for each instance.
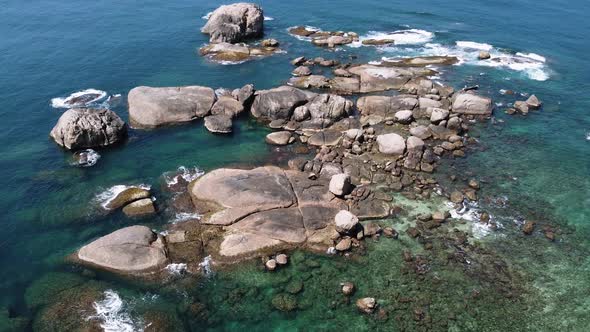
(85, 158)
(588, 136)
(470, 212)
(268, 18)
(176, 269)
(205, 265)
(400, 37)
(185, 216)
(105, 197)
(530, 64)
(185, 173)
(113, 314)
(474, 45)
(93, 96)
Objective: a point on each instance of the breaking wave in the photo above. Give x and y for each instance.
(112, 313)
(185, 216)
(105, 197)
(530, 64)
(88, 97)
(176, 269)
(85, 158)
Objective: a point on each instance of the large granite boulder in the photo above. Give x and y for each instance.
(329, 108)
(469, 103)
(153, 107)
(375, 109)
(227, 105)
(130, 249)
(391, 144)
(278, 103)
(80, 128)
(234, 23)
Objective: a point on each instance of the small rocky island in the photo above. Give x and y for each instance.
(366, 130)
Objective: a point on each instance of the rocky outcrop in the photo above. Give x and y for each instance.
(130, 249)
(80, 128)
(421, 61)
(234, 23)
(152, 107)
(376, 109)
(324, 38)
(279, 138)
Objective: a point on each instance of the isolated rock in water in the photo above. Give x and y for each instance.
(277, 103)
(271, 264)
(340, 184)
(533, 102)
(228, 106)
(234, 23)
(141, 207)
(282, 259)
(80, 128)
(421, 61)
(521, 106)
(345, 221)
(332, 41)
(219, 124)
(366, 305)
(391, 144)
(270, 43)
(127, 196)
(129, 249)
(484, 55)
(279, 138)
(468, 103)
(152, 107)
(226, 52)
(301, 71)
(384, 41)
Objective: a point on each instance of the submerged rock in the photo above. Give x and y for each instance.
(366, 305)
(130, 249)
(80, 128)
(152, 107)
(234, 23)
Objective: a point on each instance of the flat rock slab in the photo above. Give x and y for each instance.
(266, 207)
(130, 249)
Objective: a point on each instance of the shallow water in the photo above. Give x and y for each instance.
(539, 163)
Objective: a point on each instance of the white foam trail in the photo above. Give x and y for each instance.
(474, 45)
(185, 216)
(268, 18)
(93, 96)
(532, 56)
(205, 265)
(207, 16)
(588, 136)
(105, 197)
(112, 314)
(176, 269)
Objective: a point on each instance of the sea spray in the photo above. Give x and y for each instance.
(176, 269)
(112, 314)
(205, 266)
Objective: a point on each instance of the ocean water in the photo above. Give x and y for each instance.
(539, 164)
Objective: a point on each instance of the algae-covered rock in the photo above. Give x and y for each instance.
(284, 302)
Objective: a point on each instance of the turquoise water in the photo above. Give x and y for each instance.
(540, 163)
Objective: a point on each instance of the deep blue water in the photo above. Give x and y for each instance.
(53, 48)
